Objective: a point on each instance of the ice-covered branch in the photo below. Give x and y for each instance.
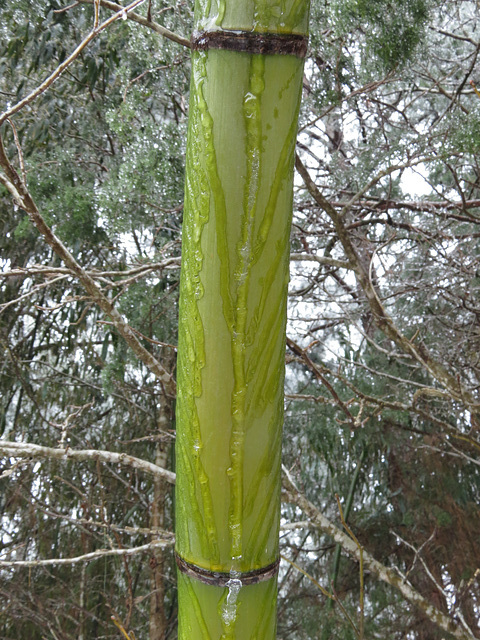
(29, 450)
(382, 572)
(67, 62)
(135, 17)
(87, 557)
(382, 319)
(18, 189)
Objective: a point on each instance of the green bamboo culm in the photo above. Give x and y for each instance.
(235, 254)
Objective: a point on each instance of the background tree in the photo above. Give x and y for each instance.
(66, 372)
(382, 359)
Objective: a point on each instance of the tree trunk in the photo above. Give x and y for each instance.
(247, 71)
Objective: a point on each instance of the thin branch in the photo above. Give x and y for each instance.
(417, 553)
(67, 62)
(33, 290)
(67, 8)
(144, 337)
(382, 319)
(309, 257)
(132, 531)
(29, 450)
(348, 506)
(21, 195)
(380, 571)
(135, 17)
(88, 557)
(19, 151)
(97, 14)
(326, 593)
(381, 174)
(319, 374)
(42, 270)
(119, 625)
(302, 396)
(331, 596)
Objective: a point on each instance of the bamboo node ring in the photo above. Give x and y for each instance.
(251, 42)
(221, 578)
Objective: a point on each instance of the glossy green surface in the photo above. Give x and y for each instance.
(274, 16)
(223, 613)
(233, 302)
(238, 207)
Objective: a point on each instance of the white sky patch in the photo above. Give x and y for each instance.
(5, 264)
(414, 183)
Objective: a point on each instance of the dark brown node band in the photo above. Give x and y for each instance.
(220, 578)
(251, 42)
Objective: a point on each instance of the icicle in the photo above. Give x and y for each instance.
(229, 611)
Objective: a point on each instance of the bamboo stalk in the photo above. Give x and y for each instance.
(238, 207)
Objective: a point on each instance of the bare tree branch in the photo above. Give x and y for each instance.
(28, 450)
(21, 195)
(386, 574)
(88, 557)
(382, 319)
(163, 31)
(331, 262)
(67, 62)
